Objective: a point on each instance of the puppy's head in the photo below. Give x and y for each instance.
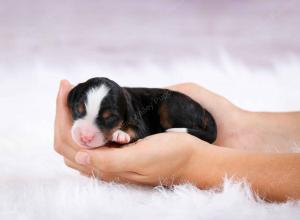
(98, 108)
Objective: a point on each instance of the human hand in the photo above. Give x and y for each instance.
(161, 150)
(63, 142)
(241, 129)
(170, 158)
(165, 158)
(231, 121)
(228, 123)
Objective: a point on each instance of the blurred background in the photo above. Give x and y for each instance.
(64, 33)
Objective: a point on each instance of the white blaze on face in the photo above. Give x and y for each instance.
(84, 130)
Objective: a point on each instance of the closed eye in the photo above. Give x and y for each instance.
(111, 118)
(106, 114)
(80, 108)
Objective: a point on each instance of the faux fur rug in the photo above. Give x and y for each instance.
(35, 184)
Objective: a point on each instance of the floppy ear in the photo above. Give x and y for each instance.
(72, 97)
(128, 105)
(75, 94)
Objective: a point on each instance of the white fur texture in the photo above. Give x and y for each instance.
(120, 137)
(35, 184)
(93, 103)
(176, 130)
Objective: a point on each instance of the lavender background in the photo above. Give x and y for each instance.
(66, 33)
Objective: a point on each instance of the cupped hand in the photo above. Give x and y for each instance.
(232, 122)
(162, 157)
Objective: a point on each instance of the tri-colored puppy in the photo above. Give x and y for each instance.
(104, 112)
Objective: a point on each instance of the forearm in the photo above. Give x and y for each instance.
(284, 124)
(267, 131)
(272, 176)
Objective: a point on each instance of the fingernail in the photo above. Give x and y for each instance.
(82, 158)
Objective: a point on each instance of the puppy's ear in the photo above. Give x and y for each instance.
(74, 94)
(71, 97)
(127, 103)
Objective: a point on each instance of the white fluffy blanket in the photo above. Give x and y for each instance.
(35, 184)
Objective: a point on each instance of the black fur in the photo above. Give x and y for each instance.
(145, 111)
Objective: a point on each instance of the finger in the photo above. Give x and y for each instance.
(110, 177)
(75, 166)
(104, 176)
(63, 120)
(106, 159)
(61, 99)
(110, 159)
(131, 157)
(133, 177)
(89, 171)
(65, 150)
(151, 180)
(123, 177)
(62, 110)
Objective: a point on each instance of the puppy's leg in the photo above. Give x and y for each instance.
(207, 136)
(120, 137)
(129, 135)
(175, 118)
(184, 130)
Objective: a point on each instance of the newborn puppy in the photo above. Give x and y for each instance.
(104, 112)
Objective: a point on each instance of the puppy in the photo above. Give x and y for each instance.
(104, 112)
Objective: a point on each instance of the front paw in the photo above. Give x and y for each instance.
(120, 137)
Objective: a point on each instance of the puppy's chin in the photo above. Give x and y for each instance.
(93, 145)
(98, 142)
(98, 139)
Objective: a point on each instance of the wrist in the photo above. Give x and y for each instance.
(205, 168)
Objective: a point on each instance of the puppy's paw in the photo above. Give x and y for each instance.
(120, 137)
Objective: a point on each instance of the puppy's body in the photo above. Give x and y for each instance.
(103, 111)
(158, 110)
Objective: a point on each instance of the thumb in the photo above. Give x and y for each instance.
(64, 89)
(62, 117)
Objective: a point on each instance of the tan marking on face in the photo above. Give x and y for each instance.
(113, 130)
(132, 134)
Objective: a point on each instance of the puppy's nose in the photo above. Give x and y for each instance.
(87, 138)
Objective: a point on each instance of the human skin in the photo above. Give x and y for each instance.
(240, 151)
